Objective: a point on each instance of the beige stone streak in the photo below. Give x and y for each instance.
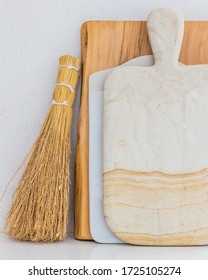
(157, 208)
(180, 239)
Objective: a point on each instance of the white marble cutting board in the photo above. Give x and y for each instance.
(99, 230)
(155, 166)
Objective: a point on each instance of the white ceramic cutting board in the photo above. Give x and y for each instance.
(99, 230)
(155, 173)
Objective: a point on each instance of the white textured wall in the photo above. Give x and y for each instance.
(33, 34)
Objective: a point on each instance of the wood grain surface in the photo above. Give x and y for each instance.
(106, 44)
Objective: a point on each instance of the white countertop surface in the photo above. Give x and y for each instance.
(71, 249)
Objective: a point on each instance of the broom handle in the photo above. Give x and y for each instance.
(66, 82)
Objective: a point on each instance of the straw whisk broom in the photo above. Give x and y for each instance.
(39, 208)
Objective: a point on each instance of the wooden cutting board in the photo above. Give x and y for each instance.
(106, 44)
(155, 139)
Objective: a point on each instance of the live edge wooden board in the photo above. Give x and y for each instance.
(106, 44)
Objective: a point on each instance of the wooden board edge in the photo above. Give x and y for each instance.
(81, 215)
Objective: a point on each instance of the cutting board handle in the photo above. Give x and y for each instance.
(165, 29)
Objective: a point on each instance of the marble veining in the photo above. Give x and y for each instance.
(156, 144)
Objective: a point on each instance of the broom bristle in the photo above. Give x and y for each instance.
(40, 204)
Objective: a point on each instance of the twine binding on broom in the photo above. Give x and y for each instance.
(64, 103)
(39, 210)
(72, 89)
(70, 67)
